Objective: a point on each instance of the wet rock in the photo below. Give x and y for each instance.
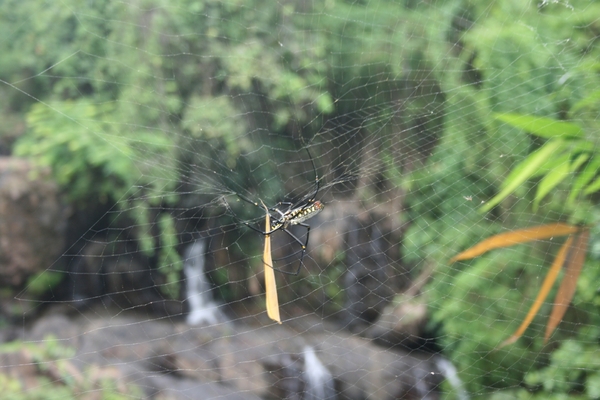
(115, 273)
(401, 323)
(32, 221)
(171, 360)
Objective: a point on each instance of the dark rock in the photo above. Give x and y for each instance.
(402, 323)
(32, 221)
(118, 275)
(366, 283)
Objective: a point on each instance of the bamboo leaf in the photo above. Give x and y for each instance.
(592, 187)
(524, 171)
(582, 146)
(569, 282)
(591, 100)
(581, 158)
(544, 290)
(552, 163)
(542, 127)
(515, 237)
(270, 282)
(588, 173)
(550, 181)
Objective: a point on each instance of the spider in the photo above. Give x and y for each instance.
(284, 214)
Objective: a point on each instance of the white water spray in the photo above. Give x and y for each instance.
(202, 308)
(451, 374)
(318, 381)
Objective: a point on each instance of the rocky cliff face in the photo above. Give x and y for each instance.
(113, 323)
(32, 221)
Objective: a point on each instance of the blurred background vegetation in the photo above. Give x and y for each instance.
(121, 98)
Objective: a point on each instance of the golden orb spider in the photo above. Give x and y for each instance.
(291, 214)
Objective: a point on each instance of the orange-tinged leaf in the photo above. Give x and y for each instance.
(544, 290)
(515, 237)
(569, 282)
(270, 283)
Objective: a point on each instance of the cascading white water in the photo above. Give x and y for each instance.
(318, 381)
(451, 374)
(202, 308)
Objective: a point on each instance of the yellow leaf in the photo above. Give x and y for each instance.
(270, 283)
(569, 283)
(545, 289)
(515, 237)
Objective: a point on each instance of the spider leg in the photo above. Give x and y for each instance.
(239, 221)
(317, 183)
(302, 250)
(282, 203)
(289, 205)
(259, 230)
(274, 208)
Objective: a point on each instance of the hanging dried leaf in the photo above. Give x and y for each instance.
(270, 283)
(515, 237)
(545, 289)
(569, 282)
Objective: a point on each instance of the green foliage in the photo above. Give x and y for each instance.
(84, 159)
(558, 159)
(94, 161)
(216, 120)
(127, 108)
(89, 158)
(42, 282)
(169, 261)
(528, 71)
(573, 368)
(493, 295)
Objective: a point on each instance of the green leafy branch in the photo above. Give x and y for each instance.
(95, 161)
(565, 152)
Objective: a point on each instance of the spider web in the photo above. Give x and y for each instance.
(162, 123)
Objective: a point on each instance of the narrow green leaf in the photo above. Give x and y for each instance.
(583, 146)
(540, 126)
(592, 99)
(588, 173)
(524, 171)
(592, 187)
(581, 158)
(550, 181)
(552, 163)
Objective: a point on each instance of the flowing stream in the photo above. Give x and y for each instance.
(202, 307)
(318, 381)
(451, 374)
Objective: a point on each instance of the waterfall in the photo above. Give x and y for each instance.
(202, 308)
(318, 381)
(451, 374)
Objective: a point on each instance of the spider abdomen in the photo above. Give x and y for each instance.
(301, 214)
